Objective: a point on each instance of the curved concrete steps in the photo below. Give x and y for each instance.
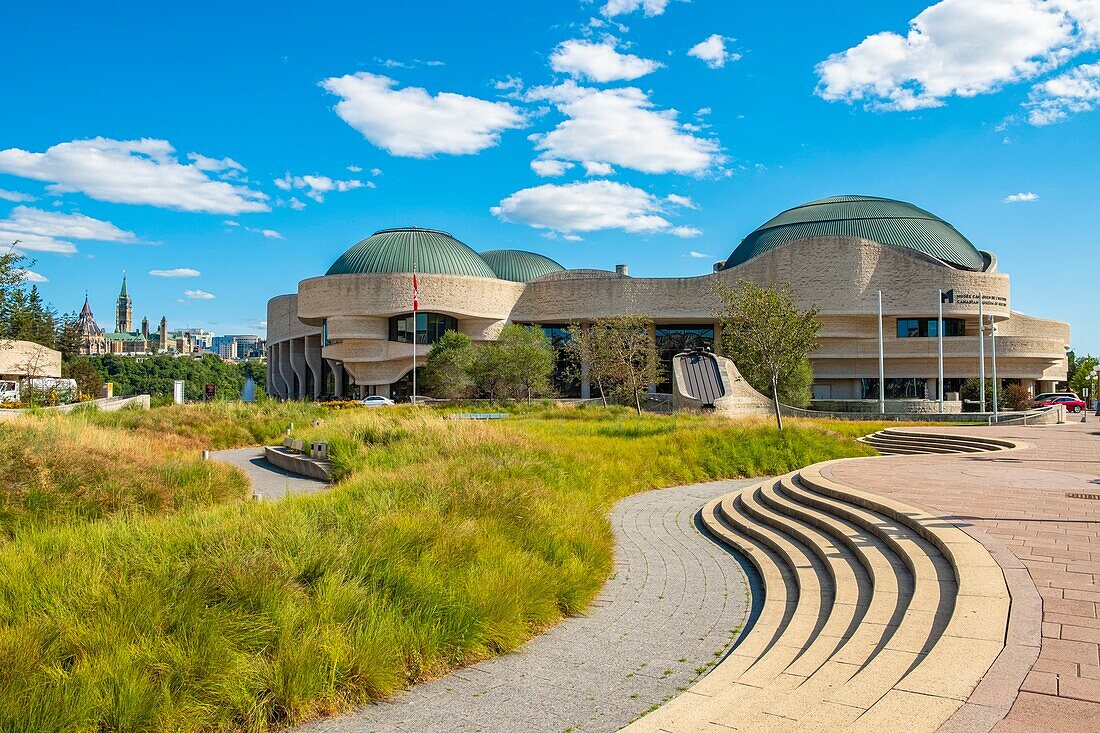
(876, 615)
(904, 442)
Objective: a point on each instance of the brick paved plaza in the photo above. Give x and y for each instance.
(1020, 499)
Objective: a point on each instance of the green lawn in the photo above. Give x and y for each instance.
(190, 609)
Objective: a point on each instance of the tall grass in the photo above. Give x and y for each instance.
(446, 542)
(214, 425)
(61, 469)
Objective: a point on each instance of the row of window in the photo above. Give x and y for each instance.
(929, 327)
(670, 339)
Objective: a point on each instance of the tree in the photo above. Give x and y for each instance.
(447, 374)
(67, 338)
(971, 392)
(1015, 397)
(527, 358)
(88, 379)
(621, 356)
(1080, 376)
(487, 369)
(767, 336)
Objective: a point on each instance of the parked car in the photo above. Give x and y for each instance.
(1070, 403)
(376, 401)
(1051, 395)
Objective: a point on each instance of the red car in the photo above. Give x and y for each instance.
(1071, 404)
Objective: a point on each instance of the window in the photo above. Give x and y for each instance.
(896, 388)
(429, 327)
(671, 340)
(929, 327)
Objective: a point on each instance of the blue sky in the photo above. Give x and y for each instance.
(253, 147)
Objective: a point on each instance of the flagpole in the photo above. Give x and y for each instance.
(881, 362)
(939, 333)
(993, 349)
(416, 329)
(981, 350)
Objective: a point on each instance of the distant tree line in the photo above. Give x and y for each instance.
(24, 316)
(155, 375)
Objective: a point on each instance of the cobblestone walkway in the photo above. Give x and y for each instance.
(1020, 498)
(668, 611)
(269, 481)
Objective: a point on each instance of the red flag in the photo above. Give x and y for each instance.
(416, 295)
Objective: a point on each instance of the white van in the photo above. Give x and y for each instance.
(9, 391)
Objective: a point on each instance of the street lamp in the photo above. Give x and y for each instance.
(1096, 394)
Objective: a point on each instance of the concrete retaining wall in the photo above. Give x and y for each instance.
(110, 404)
(297, 463)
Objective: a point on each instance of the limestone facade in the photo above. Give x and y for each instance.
(333, 336)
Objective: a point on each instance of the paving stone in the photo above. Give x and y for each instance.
(672, 603)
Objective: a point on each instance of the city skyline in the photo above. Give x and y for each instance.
(220, 166)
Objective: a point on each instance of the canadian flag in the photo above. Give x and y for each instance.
(416, 295)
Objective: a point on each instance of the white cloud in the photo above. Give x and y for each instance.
(621, 127)
(548, 168)
(960, 48)
(176, 272)
(49, 231)
(296, 203)
(15, 196)
(699, 255)
(686, 201)
(412, 123)
(588, 207)
(599, 62)
(215, 165)
(1023, 197)
(271, 234)
(594, 168)
(376, 171)
(231, 223)
(624, 7)
(142, 171)
(712, 51)
(316, 186)
(355, 169)
(198, 294)
(1077, 90)
(34, 277)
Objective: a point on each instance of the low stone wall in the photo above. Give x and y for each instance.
(298, 463)
(892, 406)
(109, 404)
(1040, 416)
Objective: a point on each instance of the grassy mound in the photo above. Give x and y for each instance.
(446, 542)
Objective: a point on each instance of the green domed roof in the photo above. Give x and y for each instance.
(885, 221)
(519, 266)
(398, 250)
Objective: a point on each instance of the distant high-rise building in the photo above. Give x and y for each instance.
(163, 333)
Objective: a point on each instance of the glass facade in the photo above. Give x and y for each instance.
(429, 327)
(671, 340)
(896, 388)
(929, 327)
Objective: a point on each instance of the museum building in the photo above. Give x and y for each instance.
(350, 332)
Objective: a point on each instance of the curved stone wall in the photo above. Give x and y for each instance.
(839, 275)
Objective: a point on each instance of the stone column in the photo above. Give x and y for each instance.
(718, 338)
(315, 364)
(337, 368)
(298, 365)
(284, 372)
(269, 370)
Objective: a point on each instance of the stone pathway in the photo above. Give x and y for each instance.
(1020, 498)
(269, 481)
(669, 611)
